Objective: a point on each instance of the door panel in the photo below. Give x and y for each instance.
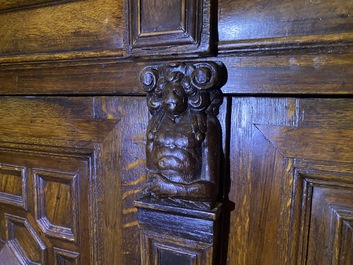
(291, 180)
(63, 199)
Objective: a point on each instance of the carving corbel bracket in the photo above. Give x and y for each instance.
(178, 208)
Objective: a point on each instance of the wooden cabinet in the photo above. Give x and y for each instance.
(73, 122)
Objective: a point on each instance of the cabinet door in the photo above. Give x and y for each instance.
(291, 181)
(61, 167)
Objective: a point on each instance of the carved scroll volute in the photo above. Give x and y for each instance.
(183, 135)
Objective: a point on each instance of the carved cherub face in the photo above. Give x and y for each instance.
(174, 99)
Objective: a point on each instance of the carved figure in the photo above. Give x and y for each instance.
(183, 135)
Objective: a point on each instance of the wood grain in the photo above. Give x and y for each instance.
(77, 26)
(244, 20)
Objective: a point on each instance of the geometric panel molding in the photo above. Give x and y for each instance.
(189, 238)
(342, 236)
(322, 217)
(66, 257)
(160, 251)
(13, 183)
(168, 26)
(24, 242)
(56, 203)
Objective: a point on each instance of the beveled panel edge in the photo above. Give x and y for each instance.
(11, 198)
(11, 221)
(342, 226)
(53, 230)
(151, 243)
(31, 4)
(63, 253)
(304, 182)
(196, 38)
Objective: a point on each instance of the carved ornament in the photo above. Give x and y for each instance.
(183, 146)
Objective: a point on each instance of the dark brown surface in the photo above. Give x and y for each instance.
(66, 27)
(183, 139)
(73, 120)
(247, 21)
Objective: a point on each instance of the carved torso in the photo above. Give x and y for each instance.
(176, 151)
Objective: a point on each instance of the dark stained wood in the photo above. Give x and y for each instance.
(323, 204)
(67, 27)
(126, 164)
(265, 170)
(248, 21)
(73, 120)
(314, 74)
(170, 27)
(260, 179)
(69, 189)
(11, 5)
(179, 207)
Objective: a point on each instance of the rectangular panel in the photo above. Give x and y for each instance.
(265, 25)
(69, 28)
(166, 27)
(324, 216)
(169, 16)
(13, 182)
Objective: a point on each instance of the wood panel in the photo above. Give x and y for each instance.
(312, 74)
(271, 140)
(11, 5)
(74, 192)
(273, 25)
(67, 27)
(166, 27)
(325, 206)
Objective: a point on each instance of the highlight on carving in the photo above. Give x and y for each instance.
(183, 135)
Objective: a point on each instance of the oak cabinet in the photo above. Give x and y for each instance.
(73, 122)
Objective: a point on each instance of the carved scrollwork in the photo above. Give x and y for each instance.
(183, 136)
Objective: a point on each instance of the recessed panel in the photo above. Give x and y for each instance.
(171, 16)
(65, 257)
(169, 27)
(174, 250)
(57, 202)
(24, 241)
(170, 257)
(12, 185)
(342, 236)
(329, 204)
(325, 211)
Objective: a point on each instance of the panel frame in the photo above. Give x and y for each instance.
(194, 36)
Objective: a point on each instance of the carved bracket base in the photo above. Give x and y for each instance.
(177, 236)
